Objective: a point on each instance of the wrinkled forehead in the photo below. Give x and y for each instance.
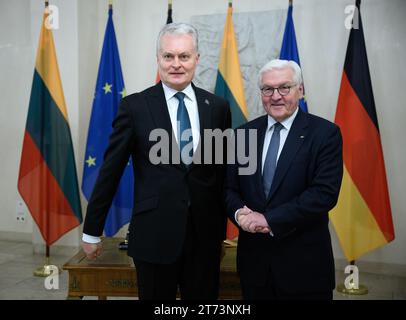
(278, 76)
(177, 42)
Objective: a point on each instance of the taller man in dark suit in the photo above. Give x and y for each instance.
(284, 246)
(178, 221)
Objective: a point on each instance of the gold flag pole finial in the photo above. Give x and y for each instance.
(46, 4)
(110, 4)
(230, 3)
(290, 2)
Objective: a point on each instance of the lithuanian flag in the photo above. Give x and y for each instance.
(47, 179)
(362, 217)
(229, 85)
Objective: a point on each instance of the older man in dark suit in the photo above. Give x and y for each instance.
(178, 221)
(284, 246)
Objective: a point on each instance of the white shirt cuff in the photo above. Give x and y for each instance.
(90, 239)
(235, 216)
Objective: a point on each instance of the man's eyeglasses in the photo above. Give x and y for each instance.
(282, 90)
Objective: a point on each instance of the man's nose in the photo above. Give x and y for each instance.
(176, 62)
(276, 95)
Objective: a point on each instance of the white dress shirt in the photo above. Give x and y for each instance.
(286, 125)
(191, 106)
(172, 102)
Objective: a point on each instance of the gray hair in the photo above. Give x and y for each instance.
(178, 28)
(281, 64)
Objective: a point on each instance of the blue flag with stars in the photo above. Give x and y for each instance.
(289, 49)
(109, 92)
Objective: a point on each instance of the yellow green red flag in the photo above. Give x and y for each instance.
(229, 85)
(47, 178)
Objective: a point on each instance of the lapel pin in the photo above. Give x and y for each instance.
(206, 102)
(301, 137)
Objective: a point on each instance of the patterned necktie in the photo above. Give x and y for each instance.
(270, 160)
(185, 137)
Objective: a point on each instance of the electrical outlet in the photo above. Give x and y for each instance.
(21, 211)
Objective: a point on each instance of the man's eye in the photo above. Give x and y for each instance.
(184, 57)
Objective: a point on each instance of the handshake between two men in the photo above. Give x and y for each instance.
(252, 221)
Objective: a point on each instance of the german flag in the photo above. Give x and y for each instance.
(362, 217)
(47, 179)
(229, 85)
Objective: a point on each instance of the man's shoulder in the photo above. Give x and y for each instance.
(138, 99)
(203, 93)
(153, 90)
(255, 123)
(317, 121)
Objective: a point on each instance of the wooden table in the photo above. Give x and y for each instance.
(113, 274)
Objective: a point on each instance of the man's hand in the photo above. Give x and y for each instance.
(92, 250)
(242, 212)
(254, 222)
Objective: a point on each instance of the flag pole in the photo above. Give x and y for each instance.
(352, 288)
(227, 243)
(124, 244)
(169, 17)
(46, 269)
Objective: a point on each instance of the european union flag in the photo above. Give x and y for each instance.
(109, 91)
(289, 49)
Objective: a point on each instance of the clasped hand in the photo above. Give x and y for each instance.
(252, 221)
(92, 250)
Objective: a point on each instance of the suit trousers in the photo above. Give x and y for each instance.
(196, 276)
(271, 291)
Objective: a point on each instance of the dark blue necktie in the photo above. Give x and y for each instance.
(270, 160)
(185, 137)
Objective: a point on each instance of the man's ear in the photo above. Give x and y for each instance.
(301, 91)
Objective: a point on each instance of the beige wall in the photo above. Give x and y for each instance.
(322, 40)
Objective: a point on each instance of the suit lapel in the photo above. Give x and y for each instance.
(292, 144)
(204, 107)
(159, 109)
(160, 115)
(260, 138)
